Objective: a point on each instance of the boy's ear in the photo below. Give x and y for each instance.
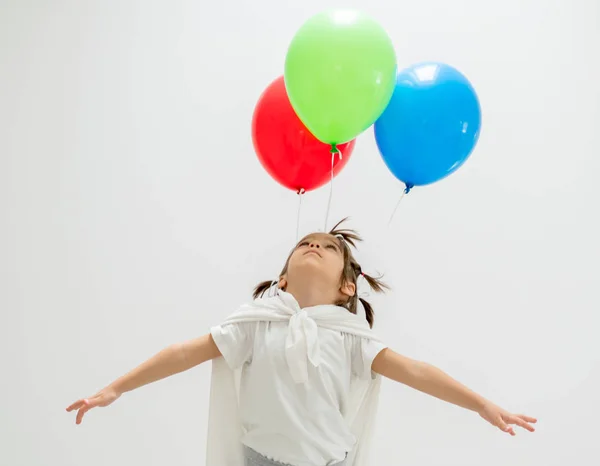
(348, 289)
(282, 283)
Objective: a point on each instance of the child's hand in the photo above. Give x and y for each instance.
(501, 419)
(103, 398)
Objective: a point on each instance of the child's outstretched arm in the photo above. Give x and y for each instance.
(431, 380)
(171, 360)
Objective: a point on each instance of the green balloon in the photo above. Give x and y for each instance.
(340, 73)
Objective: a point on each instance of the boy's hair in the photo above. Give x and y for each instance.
(350, 274)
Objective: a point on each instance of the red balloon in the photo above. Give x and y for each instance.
(286, 149)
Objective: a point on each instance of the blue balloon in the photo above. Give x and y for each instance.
(431, 124)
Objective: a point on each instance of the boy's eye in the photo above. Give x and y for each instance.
(331, 246)
(304, 243)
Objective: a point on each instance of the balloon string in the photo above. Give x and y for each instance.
(300, 194)
(334, 151)
(404, 193)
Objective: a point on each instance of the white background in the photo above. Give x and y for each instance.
(134, 214)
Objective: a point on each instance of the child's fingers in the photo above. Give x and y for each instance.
(80, 414)
(82, 410)
(75, 405)
(521, 423)
(79, 403)
(529, 419)
(504, 427)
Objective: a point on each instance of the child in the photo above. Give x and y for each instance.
(296, 373)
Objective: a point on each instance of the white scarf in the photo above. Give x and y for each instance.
(224, 445)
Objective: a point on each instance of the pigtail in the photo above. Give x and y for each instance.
(369, 314)
(261, 289)
(376, 284)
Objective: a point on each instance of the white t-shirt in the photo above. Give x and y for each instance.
(295, 423)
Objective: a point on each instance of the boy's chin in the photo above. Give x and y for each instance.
(310, 264)
(310, 270)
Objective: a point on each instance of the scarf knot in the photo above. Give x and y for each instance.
(302, 345)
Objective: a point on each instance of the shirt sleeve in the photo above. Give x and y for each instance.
(235, 342)
(364, 352)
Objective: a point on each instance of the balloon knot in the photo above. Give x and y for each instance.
(409, 186)
(335, 150)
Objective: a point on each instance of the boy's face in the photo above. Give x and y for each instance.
(321, 256)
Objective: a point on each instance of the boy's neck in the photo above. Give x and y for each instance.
(309, 296)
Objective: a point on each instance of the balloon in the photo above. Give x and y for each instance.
(286, 149)
(431, 124)
(340, 70)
